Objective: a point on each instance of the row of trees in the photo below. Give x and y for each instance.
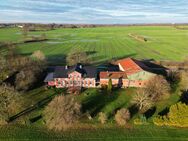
(63, 113)
(11, 102)
(21, 71)
(17, 73)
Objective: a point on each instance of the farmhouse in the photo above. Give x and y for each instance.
(130, 73)
(74, 76)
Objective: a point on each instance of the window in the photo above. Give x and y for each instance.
(63, 83)
(75, 82)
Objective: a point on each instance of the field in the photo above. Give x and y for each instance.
(101, 44)
(138, 133)
(105, 43)
(94, 101)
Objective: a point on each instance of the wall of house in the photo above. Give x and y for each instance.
(105, 81)
(70, 82)
(115, 82)
(51, 83)
(125, 82)
(142, 75)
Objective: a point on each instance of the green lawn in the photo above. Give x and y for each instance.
(94, 101)
(105, 43)
(138, 133)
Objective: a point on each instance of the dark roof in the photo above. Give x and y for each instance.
(49, 77)
(87, 71)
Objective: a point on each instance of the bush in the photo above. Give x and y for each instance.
(184, 81)
(29, 75)
(157, 88)
(77, 56)
(142, 100)
(140, 121)
(102, 118)
(39, 55)
(122, 116)
(109, 88)
(177, 116)
(62, 113)
(10, 103)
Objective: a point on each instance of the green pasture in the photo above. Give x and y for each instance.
(105, 43)
(138, 133)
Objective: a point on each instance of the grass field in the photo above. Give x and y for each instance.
(105, 43)
(138, 133)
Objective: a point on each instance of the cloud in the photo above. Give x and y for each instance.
(95, 11)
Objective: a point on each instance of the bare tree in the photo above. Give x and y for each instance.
(25, 31)
(62, 113)
(122, 116)
(10, 102)
(184, 81)
(77, 56)
(157, 88)
(39, 55)
(142, 100)
(102, 118)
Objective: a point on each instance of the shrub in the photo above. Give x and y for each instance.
(142, 100)
(109, 88)
(177, 116)
(25, 79)
(39, 55)
(62, 113)
(157, 88)
(122, 116)
(77, 56)
(102, 118)
(184, 81)
(140, 121)
(10, 103)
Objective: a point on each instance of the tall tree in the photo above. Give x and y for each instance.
(25, 31)
(184, 81)
(109, 88)
(142, 100)
(77, 56)
(157, 88)
(62, 113)
(10, 103)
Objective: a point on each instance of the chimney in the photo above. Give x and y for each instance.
(108, 74)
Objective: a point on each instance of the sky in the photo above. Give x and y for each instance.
(94, 11)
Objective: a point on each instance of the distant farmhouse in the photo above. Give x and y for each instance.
(124, 73)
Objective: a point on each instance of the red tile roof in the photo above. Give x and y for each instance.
(113, 75)
(132, 66)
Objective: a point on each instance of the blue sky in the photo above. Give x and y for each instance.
(94, 11)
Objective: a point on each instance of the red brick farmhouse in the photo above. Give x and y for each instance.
(130, 73)
(75, 76)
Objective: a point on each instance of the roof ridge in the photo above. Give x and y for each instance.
(133, 60)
